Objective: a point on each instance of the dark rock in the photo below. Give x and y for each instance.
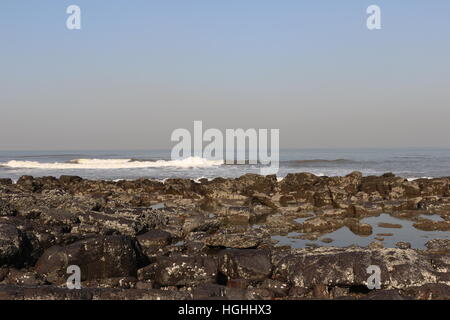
(438, 245)
(278, 288)
(384, 295)
(209, 291)
(362, 229)
(5, 182)
(128, 248)
(347, 267)
(209, 204)
(28, 183)
(185, 270)
(13, 246)
(6, 209)
(429, 225)
(117, 282)
(12, 292)
(249, 264)
(200, 223)
(67, 180)
(99, 257)
(403, 245)
(24, 278)
(431, 291)
(320, 291)
(154, 240)
(237, 241)
(251, 183)
(238, 283)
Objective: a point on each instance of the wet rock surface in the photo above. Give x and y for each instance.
(214, 239)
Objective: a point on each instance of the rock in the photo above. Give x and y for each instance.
(12, 292)
(147, 273)
(141, 285)
(263, 200)
(286, 200)
(208, 204)
(259, 294)
(185, 270)
(107, 223)
(6, 209)
(154, 240)
(384, 295)
(3, 273)
(318, 224)
(238, 283)
(28, 183)
(278, 288)
(438, 245)
(362, 229)
(375, 245)
(116, 282)
(200, 223)
(434, 187)
(5, 181)
(68, 180)
(254, 183)
(428, 225)
(237, 241)
(347, 267)
(249, 264)
(298, 292)
(24, 278)
(403, 245)
(13, 246)
(16, 292)
(99, 257)
(431, 291)
(320, 291)
(59, 217)
(389, 225)
(213, 239)
(209, 291)
(294, 182)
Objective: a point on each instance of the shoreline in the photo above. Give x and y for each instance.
(180, 239)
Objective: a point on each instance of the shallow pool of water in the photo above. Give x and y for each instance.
(344, 237)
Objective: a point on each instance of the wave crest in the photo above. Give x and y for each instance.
(191, 162)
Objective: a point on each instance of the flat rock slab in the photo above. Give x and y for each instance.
(400, 268)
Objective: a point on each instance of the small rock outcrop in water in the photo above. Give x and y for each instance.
(213, 239)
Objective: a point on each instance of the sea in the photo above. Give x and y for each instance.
(411, 163)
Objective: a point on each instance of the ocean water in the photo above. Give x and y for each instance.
(156, 164)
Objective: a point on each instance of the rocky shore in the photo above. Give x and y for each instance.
(181, 239)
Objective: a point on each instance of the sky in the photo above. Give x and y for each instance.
(137, 70)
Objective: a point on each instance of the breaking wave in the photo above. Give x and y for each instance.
(191, 162)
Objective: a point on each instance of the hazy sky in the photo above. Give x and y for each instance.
(137, 70)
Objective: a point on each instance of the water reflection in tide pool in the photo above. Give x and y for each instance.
(344, 237)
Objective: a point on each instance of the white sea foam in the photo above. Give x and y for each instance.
(412, 179)
(191, 162)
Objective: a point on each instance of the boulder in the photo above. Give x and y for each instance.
(98, 257)
(347, 267)
(154, 240)
(13, 246)
(249, 264)
(182, 270)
